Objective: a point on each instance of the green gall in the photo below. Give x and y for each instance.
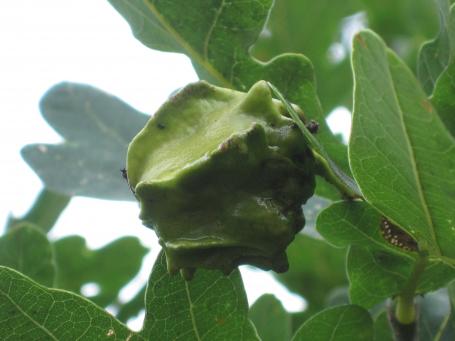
(221, 176)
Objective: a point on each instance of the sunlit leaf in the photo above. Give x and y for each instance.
(346, 322)
(209, 307)
(29, 311)
(25, 248)
(401, 155)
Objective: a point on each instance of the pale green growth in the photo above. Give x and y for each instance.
(221, 176)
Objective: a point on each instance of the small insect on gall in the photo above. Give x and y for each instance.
(397, 237)
(124, 173)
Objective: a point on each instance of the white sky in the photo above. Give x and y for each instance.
(48, 41)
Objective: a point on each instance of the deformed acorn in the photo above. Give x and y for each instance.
(224, 182)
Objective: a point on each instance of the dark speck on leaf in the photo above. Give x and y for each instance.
(313, 126)
(161, 126)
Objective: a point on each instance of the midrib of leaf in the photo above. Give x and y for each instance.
(103, 127)
(446, 260)
(193, 319)
(190, 51)
(338, 324)
(29, 317)
(212, 27)
(415, 170)
(442, 327)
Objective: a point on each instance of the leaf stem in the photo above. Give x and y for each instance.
(343, 183)
(405, 309)
(325, 166)
(404, 319)
(45, 210)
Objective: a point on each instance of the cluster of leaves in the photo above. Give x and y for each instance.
(401, 155)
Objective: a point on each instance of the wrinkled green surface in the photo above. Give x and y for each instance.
(221, 176)
(29, 311)
(401, 154)
(315, 268)
(25, 248)
(216, 36)
(272, 322)
(110, 267)
(211, 307)
(342, 323)
(96, 128)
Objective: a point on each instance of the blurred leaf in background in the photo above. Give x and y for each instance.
(26, 249)
(314, 269)
(97, 129)
(109, 268)
(272, 322)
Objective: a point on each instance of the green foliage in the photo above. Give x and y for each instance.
(437, 54)
(234, 197)
(376, 269)
(44, 212)
(313, 280)
(272, 322)
(26, 249)
(342, 323)
(96, 137)
(217, 38)
(444, 86)
(401, 155)
(210, 307)
(398, 144)
(29, 311)
(110, 267)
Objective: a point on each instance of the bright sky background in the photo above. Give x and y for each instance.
(48, 41)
